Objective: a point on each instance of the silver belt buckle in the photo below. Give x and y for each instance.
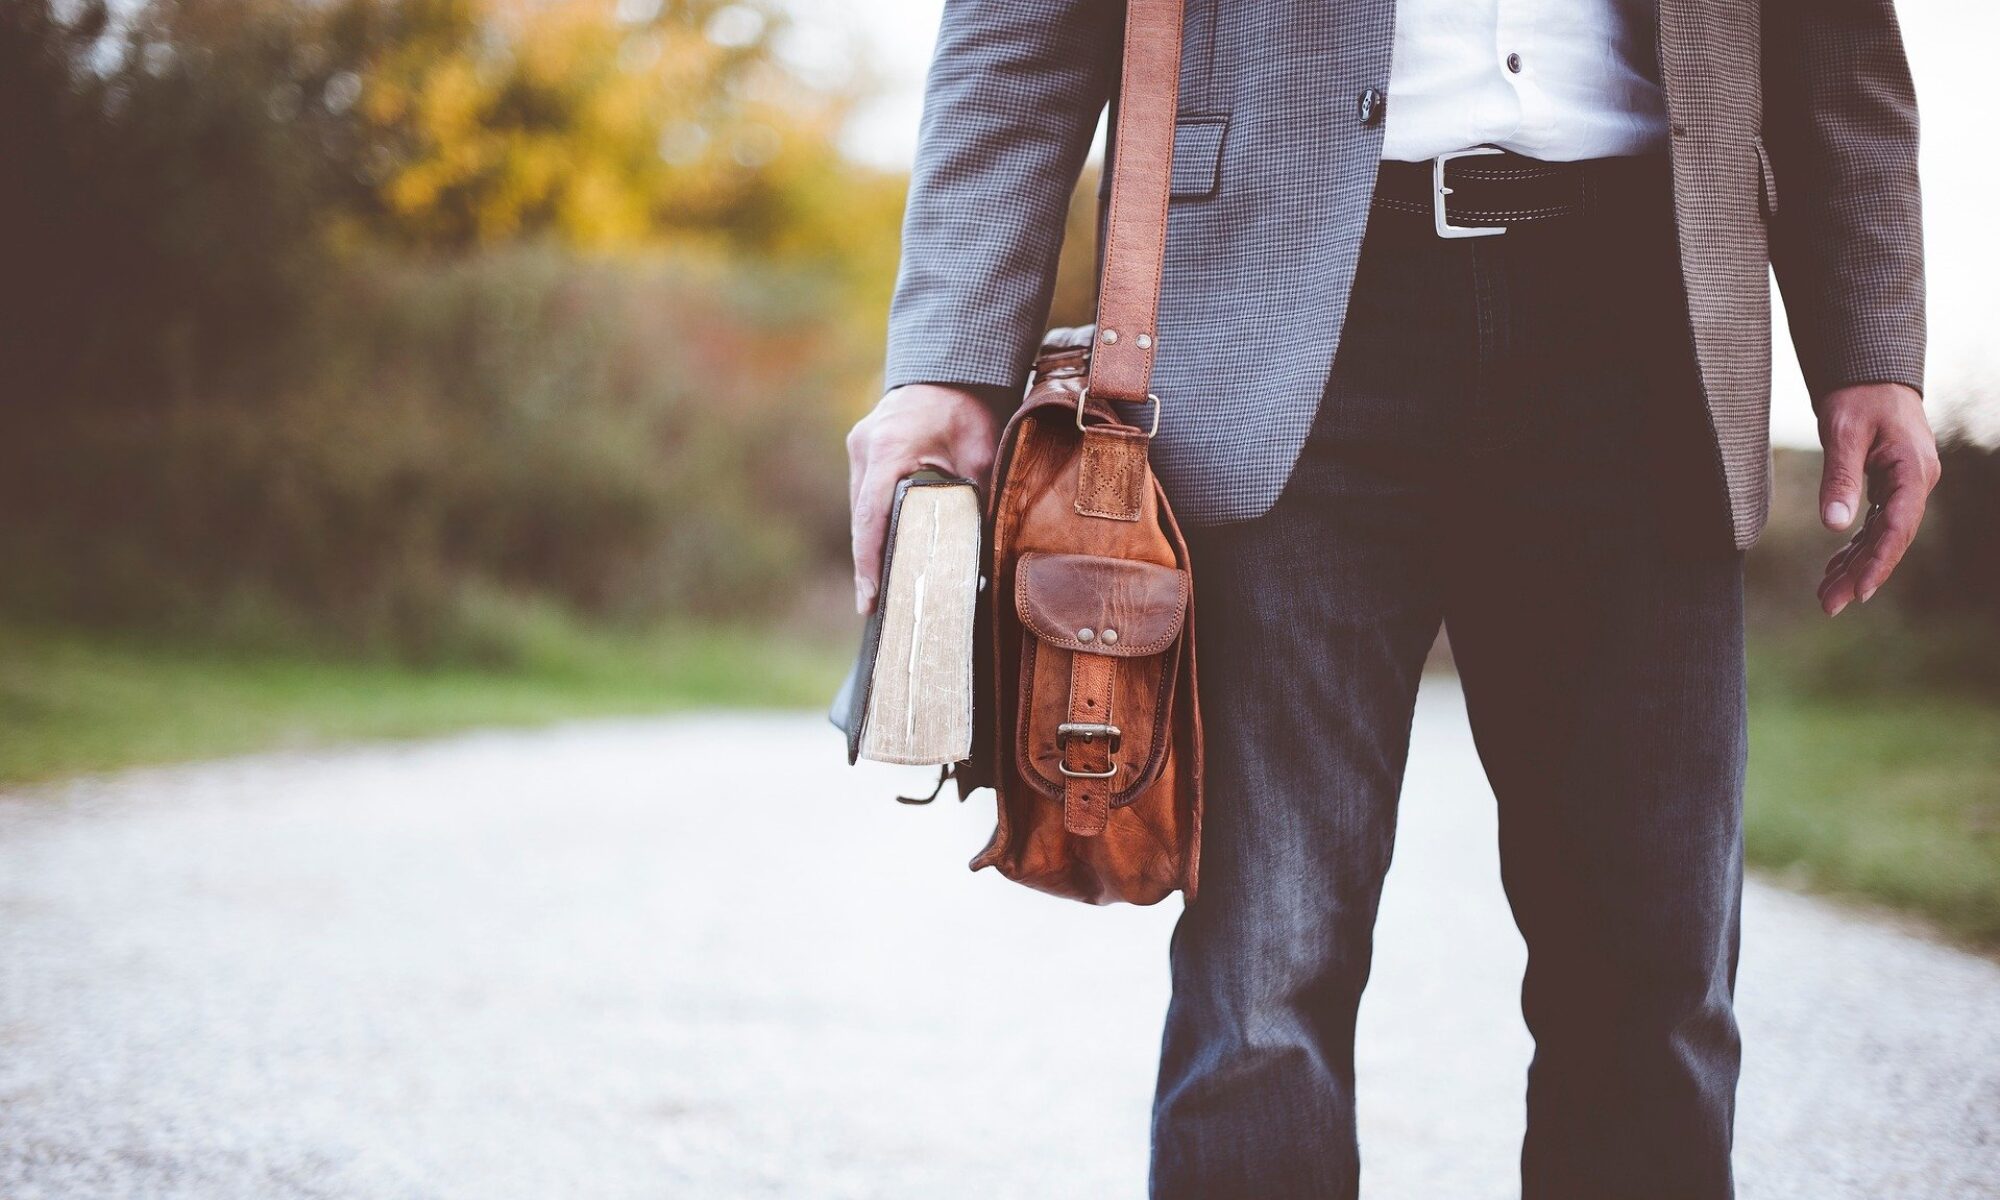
(1445, 229)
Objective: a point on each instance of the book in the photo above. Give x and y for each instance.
(908, 698)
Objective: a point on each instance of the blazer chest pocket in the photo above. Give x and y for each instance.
(1197, 156)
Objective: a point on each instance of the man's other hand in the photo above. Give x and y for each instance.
(952, 429)
(1875, 434)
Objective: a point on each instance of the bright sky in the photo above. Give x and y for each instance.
(1950, 45)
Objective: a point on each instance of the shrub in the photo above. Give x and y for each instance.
(632, 440)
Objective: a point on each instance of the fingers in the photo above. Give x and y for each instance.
(1836, 588)
(869, 489)
(1902, 512)
(918, 425)
(857, 461)
(1846, 441)
(1861, 567)
(1838, 563)
(869, 526)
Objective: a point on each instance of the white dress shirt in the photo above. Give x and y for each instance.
(1556, 80)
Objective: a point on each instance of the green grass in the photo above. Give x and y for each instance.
(1887, 800)
(72, 702)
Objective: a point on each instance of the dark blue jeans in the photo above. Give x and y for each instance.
(1512, 444)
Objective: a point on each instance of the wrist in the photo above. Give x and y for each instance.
(1871, 390)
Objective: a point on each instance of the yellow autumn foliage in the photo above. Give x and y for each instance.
(578, 122)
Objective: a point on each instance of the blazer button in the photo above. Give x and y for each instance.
(1369, 106)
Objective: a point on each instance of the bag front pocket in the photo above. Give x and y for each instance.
(1097, 675)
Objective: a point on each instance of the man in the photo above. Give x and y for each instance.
(1529, 404)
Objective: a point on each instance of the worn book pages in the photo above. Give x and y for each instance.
(920, 698)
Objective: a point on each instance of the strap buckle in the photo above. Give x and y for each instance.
(1087, 731)
(1439, 220)
(1083, 396)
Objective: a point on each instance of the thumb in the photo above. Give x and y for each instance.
(1841, 476)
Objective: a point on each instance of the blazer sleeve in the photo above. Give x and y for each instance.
(1012, 101)
(1840, 125)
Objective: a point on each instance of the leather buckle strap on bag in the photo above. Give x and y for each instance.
(1087, 726)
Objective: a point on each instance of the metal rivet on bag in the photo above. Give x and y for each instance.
(1145, 342)
(1110, 636)
(1110, 336)
(1084, 635)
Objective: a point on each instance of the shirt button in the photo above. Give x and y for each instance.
(1369, 106)
(1514, 63)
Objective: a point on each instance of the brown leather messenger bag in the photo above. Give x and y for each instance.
(1088, 728)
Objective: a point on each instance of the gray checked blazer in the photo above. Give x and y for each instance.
(1274, 161)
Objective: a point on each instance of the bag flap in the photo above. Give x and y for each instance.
(1130, 608)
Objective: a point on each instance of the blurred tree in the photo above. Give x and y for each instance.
(265, 327)
(609, 126)
(604, 125)
(177, 171)
(165, 187)
(266, 334)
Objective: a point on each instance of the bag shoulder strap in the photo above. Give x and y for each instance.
(1135, 232)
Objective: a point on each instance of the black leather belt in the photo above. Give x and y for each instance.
(1486, 190)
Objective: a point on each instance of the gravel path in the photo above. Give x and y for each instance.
(700, 958)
